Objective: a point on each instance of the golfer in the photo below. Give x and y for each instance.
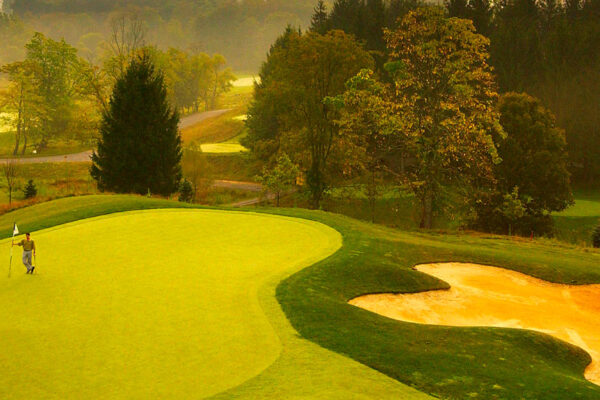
(28, 247)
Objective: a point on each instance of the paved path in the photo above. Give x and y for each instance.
(199, 117)
(85, 155)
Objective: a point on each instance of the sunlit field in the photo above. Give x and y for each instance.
(171, 311)
(220, 148)
(5, 122)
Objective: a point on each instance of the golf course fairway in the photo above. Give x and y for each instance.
(149, 304)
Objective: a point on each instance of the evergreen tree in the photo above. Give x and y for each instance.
(349, 16)
(481, 12)
(458, 8)
(140, 147)
(30, 190)
(319, 22)
(186, 192)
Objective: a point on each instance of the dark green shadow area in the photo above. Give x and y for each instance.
(456, 363)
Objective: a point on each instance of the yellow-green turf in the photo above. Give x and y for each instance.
(221, 148)
(170, 304)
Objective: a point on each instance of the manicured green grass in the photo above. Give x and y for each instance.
(184, 306)
(53, 213)
(223, 148)
(449, 362)
(149, 304)
(576, 224)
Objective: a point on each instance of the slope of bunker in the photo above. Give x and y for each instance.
(151, 304)
(496, 297)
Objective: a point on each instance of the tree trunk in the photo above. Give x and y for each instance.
(427, 211)
(372, 196)
(24, 144)
(402, 163)
(19, 123)
(278, 197)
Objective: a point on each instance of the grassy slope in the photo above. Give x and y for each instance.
(302, 370)
(450, 362)
(215, 130)
(576, 224)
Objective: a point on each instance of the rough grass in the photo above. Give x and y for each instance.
(234, 167)
(215, 130)
(57, 147)
(53, 180)
(449, 362)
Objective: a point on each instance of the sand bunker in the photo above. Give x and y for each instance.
(490, 296)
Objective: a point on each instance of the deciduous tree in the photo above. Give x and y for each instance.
(445, 96)
(303, 71)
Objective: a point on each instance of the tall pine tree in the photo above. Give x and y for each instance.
(140, 147)
(319, 21)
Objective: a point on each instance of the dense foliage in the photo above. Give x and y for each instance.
(533, 174)
(288, 112)
(140, 148)
(47, 94)
(549, 49)
(445, 99)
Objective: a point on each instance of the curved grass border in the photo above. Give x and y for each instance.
(449, 362)
(302, 370)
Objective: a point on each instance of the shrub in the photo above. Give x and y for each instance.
(596, 237)
(186, 192)
(30, 190)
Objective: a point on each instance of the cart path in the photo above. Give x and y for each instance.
(84, 156)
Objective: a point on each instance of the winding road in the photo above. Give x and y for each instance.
(185, 122)
(85, 155)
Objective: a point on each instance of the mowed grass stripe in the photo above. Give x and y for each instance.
(149, 304)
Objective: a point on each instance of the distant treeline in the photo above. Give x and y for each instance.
(240, 30)
(548, 48)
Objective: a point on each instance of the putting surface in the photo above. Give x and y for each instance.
(490, 296)
(149, 304)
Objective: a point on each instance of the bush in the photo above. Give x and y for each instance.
(30, 190)
(596, 237)
(186, 192)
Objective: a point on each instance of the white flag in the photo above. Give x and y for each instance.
(16, 230)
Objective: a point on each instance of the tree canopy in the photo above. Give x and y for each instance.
(140, 148)
(300, 72)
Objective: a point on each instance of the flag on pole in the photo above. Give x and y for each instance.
(15, 232)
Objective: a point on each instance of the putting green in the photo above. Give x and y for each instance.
(149, 304)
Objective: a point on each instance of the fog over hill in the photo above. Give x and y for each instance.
(240, 30)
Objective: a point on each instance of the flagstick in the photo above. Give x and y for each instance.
(11, 249)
